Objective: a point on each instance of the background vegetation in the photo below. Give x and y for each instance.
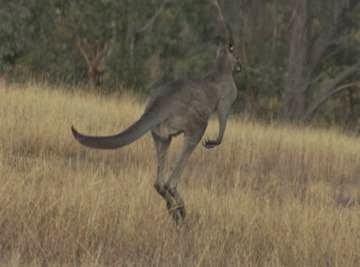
(271, 195)
(283, 196)
(300, 57)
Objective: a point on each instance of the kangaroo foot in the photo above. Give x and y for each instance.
(180, 206)
(178, 214)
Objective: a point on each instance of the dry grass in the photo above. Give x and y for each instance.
(268, 196)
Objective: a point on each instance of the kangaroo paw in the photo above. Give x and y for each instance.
(210, 143)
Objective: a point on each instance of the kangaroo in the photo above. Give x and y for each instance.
(180, 107)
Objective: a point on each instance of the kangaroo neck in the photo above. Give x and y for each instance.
(223, 85)
(219, 77)
(220, 70)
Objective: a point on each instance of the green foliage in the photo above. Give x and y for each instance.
(149, 41)
(14, 33)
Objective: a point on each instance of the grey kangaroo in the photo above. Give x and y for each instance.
(180, 107)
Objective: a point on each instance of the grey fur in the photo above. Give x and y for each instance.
(181, 107)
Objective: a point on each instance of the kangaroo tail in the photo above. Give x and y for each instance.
(146, 122)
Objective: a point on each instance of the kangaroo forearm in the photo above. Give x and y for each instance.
(222, 126)
(223, 112)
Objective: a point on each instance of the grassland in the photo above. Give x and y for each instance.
(268, 196)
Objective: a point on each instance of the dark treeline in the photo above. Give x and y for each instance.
(301, 58)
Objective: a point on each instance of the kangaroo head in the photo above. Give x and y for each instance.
(227, 59)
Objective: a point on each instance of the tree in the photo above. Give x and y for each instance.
(15, 34)
(308, 50)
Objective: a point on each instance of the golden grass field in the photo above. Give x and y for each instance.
(270, 195)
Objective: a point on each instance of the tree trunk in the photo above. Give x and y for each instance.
(323, 98)
(94, 77)
(296, 80)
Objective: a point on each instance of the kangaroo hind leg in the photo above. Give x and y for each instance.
(162, 147)
(190, 142)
